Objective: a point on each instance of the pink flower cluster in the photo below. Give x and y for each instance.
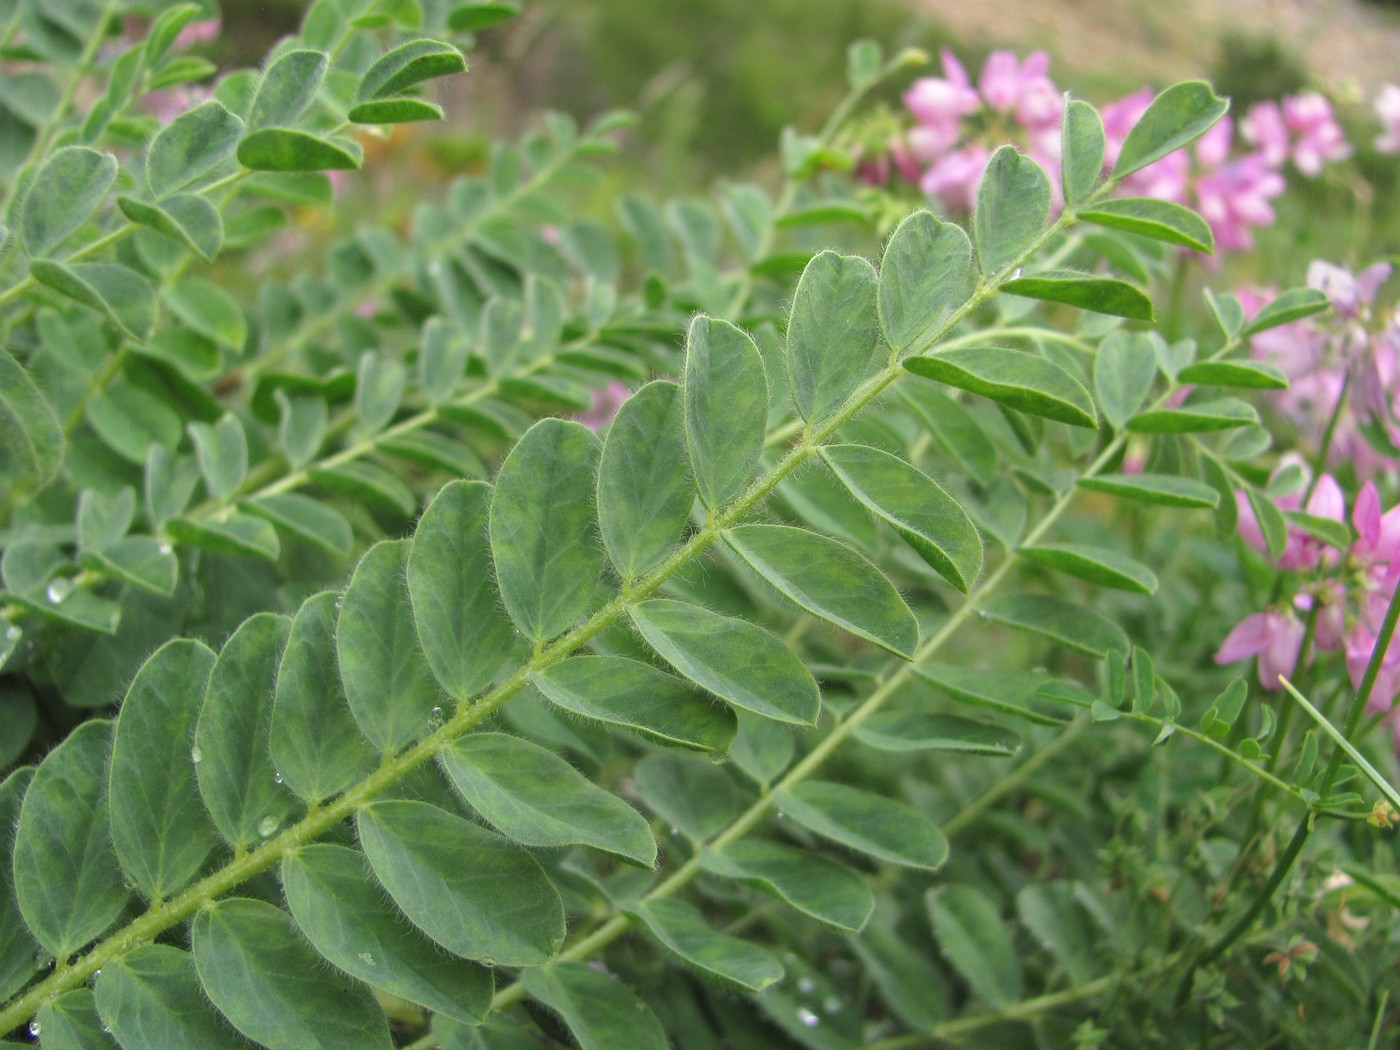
(1353, 351)
(1347, 592)
(1387, 106)
(1229, 179)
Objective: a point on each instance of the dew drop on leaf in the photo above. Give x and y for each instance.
(34, 1029)
(59, 589)
(196, 755)
(165, 548)
(831, 1004)
(267, 826)
(808, 1018)
(368, 958)
(805, 986)
(12, 633)
(277, 778)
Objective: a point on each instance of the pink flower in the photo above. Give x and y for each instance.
(1301, 550)
(1318, 137)
(954, 178)
(606, 401)
(197, 33)
(1008, 85)
(1361, 643)
(941, 103)
(1236, 198)
(1348, 293)
(1387, 106)
(1119, 118)
(1263, 128)
(1274, 637)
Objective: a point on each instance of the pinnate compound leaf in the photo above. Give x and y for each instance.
(543, 535)
(1166, 490)
(923, 731)
(829, 580)
(228, 534)
(954, 428)
(187, 218)
(209, 310)
(1124, 370)
(928, 519)
(67, 189)
(881, 827)
(315, 743)
(694, 795)
(1008, 692)
(682, 929)
(1287, 307)
(534, 797)
(332, 894)
(287, 89)
(67, 882)
(600, 1011)
(388, 684)
(465, 636)
(222, 452)
(369, 482)
(827, 891)
(305, 518)
(394, 111)
(1095, 565)
(407, 65)
(1013, 204)
(150, 997)
(288, 149)
(639, 697)
(236, 776)
(1023, 381)
(159, 828)
(974, 940)
(1252, 375)
(738, 661)
(118, 292)
(833, 333)
(1176, 117)
(467, 888)
(71, 1022)
(1153, 217)
(1063, 622)
(260, 973)
(926, 274)
(726, 408)
(1082, 143)
(191, 146)
(31, 436)
(1195, 417)
(644, 496)
(1104, 295)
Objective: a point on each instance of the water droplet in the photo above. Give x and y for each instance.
(675, 831)
(368, 958)
(196, 755)
(106, 1028)
(435, 716)
(96, 974)
(276, 778)
(831, 1004)
(59, 589)
(719, 758)
(805, 986)
(782, 816)
(808, 1018)
(34, 1029)
(165, 548)
(12, 633)
(267, 826)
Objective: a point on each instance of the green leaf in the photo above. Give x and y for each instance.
(124, 296)
(694, 795)
(833, 333)
(1082, 145)
(821, 214)
(388, 684)
(287, 89)
(600, 1011)
(442, 358)
(20, 956)
(332, 895)
(1253, 375)
(160, 832)
(1178, 116)
(682, 929)
(184, 217)
(1272, 524)
(31, 436)
(1287, 307)
(1153, 217)
(922, 731)
(1225, 708)
(928, 519)
(190, 147)
(926, 274)
(736, 660)
(407, 65)
(71, 1022)
(67, 881)
(1195, 417)
(1061, 621)
(1019, 380)
(65, 191)
(467, 888)
(535, 798)
(1013, 204)
(150, 997)
(209, 310)
(301, 426)
(394, 111)
(222, 453)
(305, 518)
(1326, 530)
(165, 28)
(368, 482)
(973, 938)
(236, 776)
(476, 16)
(1227, 310)
(287, 149)
(1166, 490)
(314, 742)
(1096, 565)
(829, 580)
(271, 985)
(195, 356)
(891, 831)
(640, 697)
(543, 536)
(827, 891)
(1104, 295)
(379, 383)
(229, 534)
(1053, 916)
(644, 496)
(954, 429)
(726, 408)
(1124, 369)
(1009, 692)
